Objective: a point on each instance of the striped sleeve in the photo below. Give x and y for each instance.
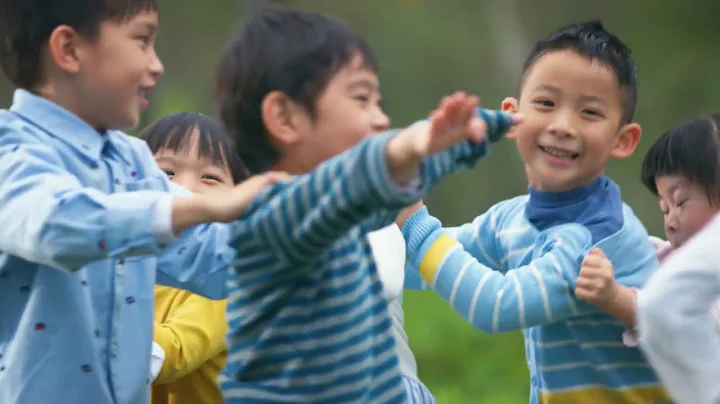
(538, 293)
(468, 235)
(463, 155)
(301, 218)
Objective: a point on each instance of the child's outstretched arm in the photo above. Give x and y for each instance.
(299, 219)
(198, 260)
(477, 238)
(50, 218)
(596, 285)
(462, 155)
(538, 293)
(676, 328)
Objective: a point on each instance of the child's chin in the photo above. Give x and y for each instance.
(126, 122)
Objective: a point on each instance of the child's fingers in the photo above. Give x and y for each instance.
(477, 129)
(591, 260)
(592, 271)
(439, 120)
(583, 282)
(266, 179)
(470, 104)
(518, 118)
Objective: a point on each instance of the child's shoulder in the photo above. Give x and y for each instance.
(630, 250)
(15, 129)
(508, 212)
(131, 144)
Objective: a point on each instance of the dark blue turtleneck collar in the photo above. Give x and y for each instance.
(597, 206)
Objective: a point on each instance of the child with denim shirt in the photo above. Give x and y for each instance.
(88, 224)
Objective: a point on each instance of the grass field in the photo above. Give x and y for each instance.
(460, 364)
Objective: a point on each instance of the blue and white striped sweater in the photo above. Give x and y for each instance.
(502, 274)
(307, 315)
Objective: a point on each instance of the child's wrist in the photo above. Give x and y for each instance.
(189, 211)
(402, 157)
(612, 300)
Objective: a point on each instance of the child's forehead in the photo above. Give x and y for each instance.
(144, 18)
(567, 71)
(357, 70)
(669, 183)
(190, 155)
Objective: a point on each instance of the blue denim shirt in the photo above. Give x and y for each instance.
(80, 252)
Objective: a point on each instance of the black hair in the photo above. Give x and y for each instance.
(174, 132)
(691, 150)
(26, 26)
(280, 49)
(590, 39)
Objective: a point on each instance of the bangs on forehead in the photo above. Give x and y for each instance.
(122, 10)
(367, 57)
(179, 133)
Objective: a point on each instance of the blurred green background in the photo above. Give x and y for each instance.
(428, 48)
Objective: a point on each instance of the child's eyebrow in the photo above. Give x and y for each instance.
(363, 83)
(150, 27)
(549, 88)
(592, 98)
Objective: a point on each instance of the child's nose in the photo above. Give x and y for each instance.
(380, 122)
(156, 66)
(562, 125)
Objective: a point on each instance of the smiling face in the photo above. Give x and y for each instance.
(346, 112)
(117, 70)
(572, 126)
(192, 170)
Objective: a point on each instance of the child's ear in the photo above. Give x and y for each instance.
(281, 117)
(510, 104)
(627, 141)
(65, 47)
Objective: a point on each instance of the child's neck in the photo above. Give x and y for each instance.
(547, 188)
(597, 206)
(565, 196)
(65, 97)
(288, 164)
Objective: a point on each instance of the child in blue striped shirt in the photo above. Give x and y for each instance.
(308, 320)
(515, 267)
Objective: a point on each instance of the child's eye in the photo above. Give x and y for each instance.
(544, 103)
(362, 98)
(592, 112)
(169, 173)
(681, 203)
(144, 39)
(211, 177)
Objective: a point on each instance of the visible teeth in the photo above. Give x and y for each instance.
(559, 153)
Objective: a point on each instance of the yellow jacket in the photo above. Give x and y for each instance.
(191, 329)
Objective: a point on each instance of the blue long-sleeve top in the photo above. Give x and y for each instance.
(307, 315)
(515, 268)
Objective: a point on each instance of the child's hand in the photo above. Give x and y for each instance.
(228, 205)
(454, 121)
(596, 283)
(220, 206)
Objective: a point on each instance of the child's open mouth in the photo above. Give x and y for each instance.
(559, 153)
